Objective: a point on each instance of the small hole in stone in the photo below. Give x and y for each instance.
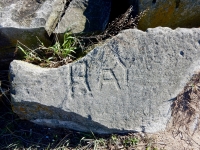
(154, 1)
(181, 53)
(199, 41)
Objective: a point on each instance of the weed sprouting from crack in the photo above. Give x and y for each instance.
(53, 56)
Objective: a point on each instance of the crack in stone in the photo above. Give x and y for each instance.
(56, 15)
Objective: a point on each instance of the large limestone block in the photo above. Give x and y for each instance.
(85, 16)
(168, 13)
(127, 84)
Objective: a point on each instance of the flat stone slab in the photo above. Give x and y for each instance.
(127, 84)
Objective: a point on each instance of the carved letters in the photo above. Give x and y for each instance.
(109, 76)
(78, 80)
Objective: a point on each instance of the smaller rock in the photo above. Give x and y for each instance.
(85, 16)
(55, 16)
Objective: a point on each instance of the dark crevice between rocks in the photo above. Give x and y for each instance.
(7, 52)
(177, 3)
(118, 8)
(154, 1)
(55, 17)
(53, 36)
(96, 21)
(65, 8)
(40, 1)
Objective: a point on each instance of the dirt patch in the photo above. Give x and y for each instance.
(183, 128)
(185, 109)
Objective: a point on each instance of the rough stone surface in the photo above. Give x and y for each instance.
(170, 13)
(8, 40)
(55, 16)
(81, 15)
(85, 16)
(127, 84)
(25, 13)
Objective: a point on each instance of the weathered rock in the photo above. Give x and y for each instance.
(26, 17)
(55, 16)
(125, 85)
(81, 15)
(170, 13)
(85, 16)
(9, 38)
(25, 13)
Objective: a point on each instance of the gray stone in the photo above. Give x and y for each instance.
(127, 84)
(8, 41)
(55, 16)
(168, 13)
(25, 13)
(85, 16)
(81, 15)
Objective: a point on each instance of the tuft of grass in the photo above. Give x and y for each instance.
(67, 47)
(53, 56)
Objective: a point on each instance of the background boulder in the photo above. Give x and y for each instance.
(170, 13)
(80, 15)
(85, 16)
(128, 84)
(25, 13)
